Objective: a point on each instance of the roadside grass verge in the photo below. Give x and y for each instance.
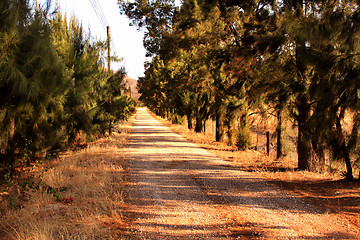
(79, 195)
(248, 160)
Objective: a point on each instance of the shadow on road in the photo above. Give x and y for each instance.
(177, 190)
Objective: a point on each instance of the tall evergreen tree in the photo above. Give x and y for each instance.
(52, 83)
(276, 56)
(33, 79)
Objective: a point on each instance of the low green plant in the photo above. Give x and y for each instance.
(14, 201)
(243, 141)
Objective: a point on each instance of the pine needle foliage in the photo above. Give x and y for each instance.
(53, 86)
(295, 60)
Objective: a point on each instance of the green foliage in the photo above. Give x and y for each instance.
(54, 91)
(32, 80)
(243, 138)
(230, 59)
(40, 186)
(14, 201)
(155, 15)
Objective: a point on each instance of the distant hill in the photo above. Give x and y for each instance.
(131, 84)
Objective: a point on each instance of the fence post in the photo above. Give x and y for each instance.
(268, 143)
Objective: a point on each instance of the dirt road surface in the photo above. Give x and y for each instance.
(177, 190)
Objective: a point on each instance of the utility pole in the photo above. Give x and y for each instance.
(108, 43)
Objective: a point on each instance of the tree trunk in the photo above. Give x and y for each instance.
(189, 121)
(10, 152)
(303, 145)
(110, 128)
(230, 133)
(168, 115)
(268, 143)
(319, 149)
(198, 125)
(302, 101)
(219, 128)
(349, 170)
(344, 148)
(279, 145)
(11, 131)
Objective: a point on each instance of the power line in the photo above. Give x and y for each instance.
(98, 14)
(102, 18)
(102, 15)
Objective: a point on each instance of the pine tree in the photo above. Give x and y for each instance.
(280, 57)
(32, 82)
(339, 79)
(155, 17)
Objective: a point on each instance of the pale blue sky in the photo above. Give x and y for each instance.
(126, 41)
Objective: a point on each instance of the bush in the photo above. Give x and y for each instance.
(243, 141)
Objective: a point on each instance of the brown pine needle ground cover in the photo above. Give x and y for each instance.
(77, 196)
(328, 191)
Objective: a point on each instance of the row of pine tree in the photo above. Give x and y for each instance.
(54, 91)
(227, 60)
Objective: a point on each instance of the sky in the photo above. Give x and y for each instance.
(127, 42)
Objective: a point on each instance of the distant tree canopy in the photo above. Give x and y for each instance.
(226, 60)
(54, 90)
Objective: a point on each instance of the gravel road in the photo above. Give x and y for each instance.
(177, 190)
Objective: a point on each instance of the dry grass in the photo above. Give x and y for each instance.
(93, 178)
(249, 160)
(258, 161)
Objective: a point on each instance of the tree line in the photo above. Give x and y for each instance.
(227, 60)
(54, 90)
